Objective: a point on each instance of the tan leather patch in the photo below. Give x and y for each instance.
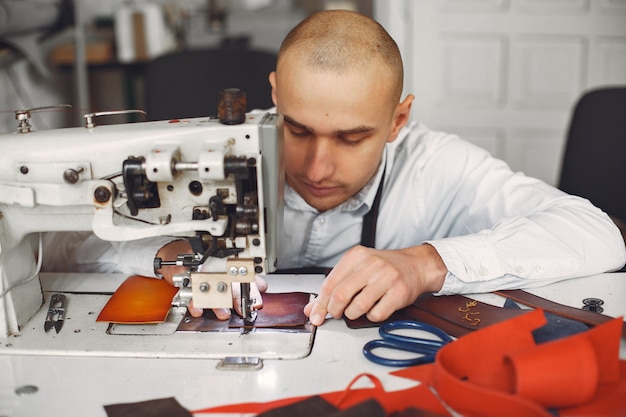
(139, 300)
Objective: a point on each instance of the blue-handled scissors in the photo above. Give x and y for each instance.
(426, 347)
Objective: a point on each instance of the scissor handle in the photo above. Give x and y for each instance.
(386, 329)
(368, 351)
(427, 347)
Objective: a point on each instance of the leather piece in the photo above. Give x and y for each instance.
(309, 407)
(560, 363)
(368, 408)
(165, 407)
(457, 315)
(411, 313)
(473, 375)
(318, 407)
(414, 412)
(534, 301)
(139, 300)
(463, 311)
(279, 310)
(606, 402)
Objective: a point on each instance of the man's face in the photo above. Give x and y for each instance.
(336, 127)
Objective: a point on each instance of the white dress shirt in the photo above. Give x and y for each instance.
(493, 228)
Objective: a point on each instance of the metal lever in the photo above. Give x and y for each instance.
(89, 124)
(23, 116)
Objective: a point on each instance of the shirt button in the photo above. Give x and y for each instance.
(483, 271)
(322, 220)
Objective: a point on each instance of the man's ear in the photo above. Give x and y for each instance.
(401, 117)
(272, 78)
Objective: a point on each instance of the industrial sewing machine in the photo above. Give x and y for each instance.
(216, 181)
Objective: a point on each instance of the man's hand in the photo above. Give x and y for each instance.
(177, 247)
(377, 282)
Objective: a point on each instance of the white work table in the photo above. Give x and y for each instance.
(70, 384)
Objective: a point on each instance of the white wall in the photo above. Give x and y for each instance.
(506, 74)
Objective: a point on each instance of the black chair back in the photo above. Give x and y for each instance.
(187, 83)
(594, 163)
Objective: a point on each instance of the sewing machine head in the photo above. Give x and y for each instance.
(219, 184)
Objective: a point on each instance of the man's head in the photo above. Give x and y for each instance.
(338, 83)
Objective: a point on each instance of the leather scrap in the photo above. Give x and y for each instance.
(309, 407)
(318, 407)
(165, 407)
(531, 300)
(501, 370)
(279, 310)
(456, 315)
(139, 300)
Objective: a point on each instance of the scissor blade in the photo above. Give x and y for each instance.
(48, 324)
(59, 324)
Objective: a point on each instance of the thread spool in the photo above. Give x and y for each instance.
(231, 107)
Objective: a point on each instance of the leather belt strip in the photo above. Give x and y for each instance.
(531, 300)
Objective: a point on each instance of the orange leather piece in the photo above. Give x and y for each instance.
(488, 372)
(538, 371)
(139, 300)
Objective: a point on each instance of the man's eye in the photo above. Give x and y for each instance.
(349, 142)
(299, 133)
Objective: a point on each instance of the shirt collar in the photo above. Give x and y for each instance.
(364, 198)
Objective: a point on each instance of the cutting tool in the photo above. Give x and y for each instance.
(426, 347)
(56, 313)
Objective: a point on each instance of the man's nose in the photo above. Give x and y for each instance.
(320, 160)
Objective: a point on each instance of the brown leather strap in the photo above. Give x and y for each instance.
(531, 300)
(411, 313)
(465, 312)
(457, 315)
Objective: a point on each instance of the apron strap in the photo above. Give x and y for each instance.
(368, 233)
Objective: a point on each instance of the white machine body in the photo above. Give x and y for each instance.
(196, 178)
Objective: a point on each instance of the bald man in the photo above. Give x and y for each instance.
(394, 208)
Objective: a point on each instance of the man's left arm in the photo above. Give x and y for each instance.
(571, 238)
(567, 238)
